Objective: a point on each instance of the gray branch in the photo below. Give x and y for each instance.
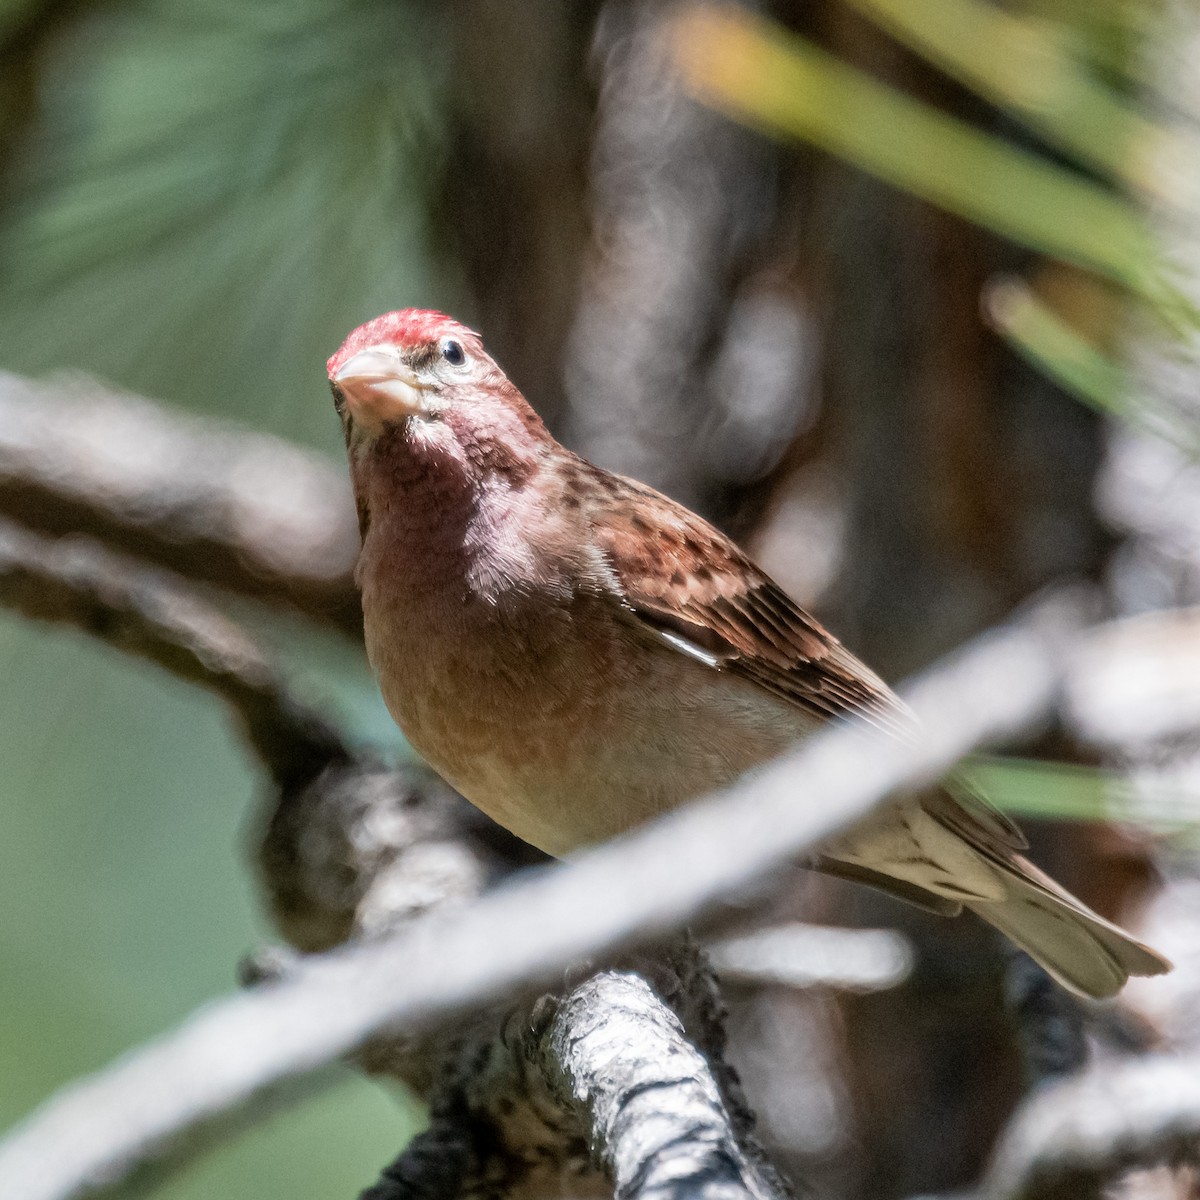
(650, 1105)
(230, 1054)
(1072, 1136)
(154, 616)
(244, 510)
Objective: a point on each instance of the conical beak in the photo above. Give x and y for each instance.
(378, 387)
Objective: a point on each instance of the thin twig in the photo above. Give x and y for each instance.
(227, 1055)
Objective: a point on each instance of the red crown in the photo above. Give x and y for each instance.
(406, 327)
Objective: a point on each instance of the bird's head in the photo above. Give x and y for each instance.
(415, 368)
(408, 364)
(418, 383)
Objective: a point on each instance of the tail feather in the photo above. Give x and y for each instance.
(1079, 948)
(963, 853)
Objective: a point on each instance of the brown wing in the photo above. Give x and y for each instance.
(689, 583)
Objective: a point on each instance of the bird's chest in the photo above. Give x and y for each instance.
(559, 720)
(503, 696)
(489, 650)
(460, 672)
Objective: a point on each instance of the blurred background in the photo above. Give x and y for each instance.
(898, 292)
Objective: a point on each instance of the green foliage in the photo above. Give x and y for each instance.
(1038, 69)
(1065, 792)
(213, 194)
(1109, 34)
(786, 85)
(1037, 332)
(1057, 68)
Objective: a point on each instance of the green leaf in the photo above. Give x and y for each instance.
(1039, 334)
(1052, 791)
(1111, 34)
(1076, 364)
(1065, 792)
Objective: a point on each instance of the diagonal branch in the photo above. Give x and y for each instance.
(244, 510)
(153, 616)
(228, 1055)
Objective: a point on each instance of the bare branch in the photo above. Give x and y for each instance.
(652, 1108)
(244, 510)
(363, 849)
(229, 1054)
(153, 616)
(1074, 1134)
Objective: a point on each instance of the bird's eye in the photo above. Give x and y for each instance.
(453, 352)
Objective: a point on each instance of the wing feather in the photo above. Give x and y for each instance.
(679, 576)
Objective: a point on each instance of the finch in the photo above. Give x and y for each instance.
(576, 653)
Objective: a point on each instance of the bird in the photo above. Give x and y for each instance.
(576, 653)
